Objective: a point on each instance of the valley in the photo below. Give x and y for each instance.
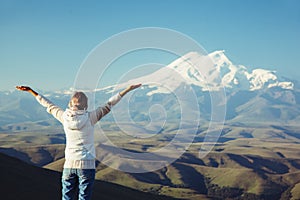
(258, 161)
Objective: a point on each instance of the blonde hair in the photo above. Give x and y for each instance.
(79, 101)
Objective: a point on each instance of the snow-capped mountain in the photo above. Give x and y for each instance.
(239, 76)
(251, 95)
(211, 72)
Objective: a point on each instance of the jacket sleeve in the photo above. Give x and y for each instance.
(53, 109)
(101, 111)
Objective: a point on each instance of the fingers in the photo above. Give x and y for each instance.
(135, 86)
(19, 87)
(23, 88)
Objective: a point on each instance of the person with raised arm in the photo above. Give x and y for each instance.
(78, 123)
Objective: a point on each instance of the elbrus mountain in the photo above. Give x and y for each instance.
(252, 96)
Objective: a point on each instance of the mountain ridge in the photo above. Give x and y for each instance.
(185, 75)
(187, 65)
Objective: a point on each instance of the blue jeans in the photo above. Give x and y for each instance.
(77, 181)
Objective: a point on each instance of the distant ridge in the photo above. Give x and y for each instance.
(252, 95)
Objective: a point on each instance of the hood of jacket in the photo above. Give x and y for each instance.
(75, 120)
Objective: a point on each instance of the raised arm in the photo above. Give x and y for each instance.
(102, 111)
(51, 108)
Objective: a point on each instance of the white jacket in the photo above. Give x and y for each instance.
(79, 130)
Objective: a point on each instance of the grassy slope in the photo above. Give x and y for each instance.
(263, 162)
(181, 179)
(296, 192)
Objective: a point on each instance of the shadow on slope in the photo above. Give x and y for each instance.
(36, 155)
(260, 165)
(192, 178)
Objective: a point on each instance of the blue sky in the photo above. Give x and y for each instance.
(43, 43)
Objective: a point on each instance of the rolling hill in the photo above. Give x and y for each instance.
(258, 162)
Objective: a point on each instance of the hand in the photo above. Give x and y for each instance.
(129, 88)
(23, 88)
(27, 89)
(132, 87)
